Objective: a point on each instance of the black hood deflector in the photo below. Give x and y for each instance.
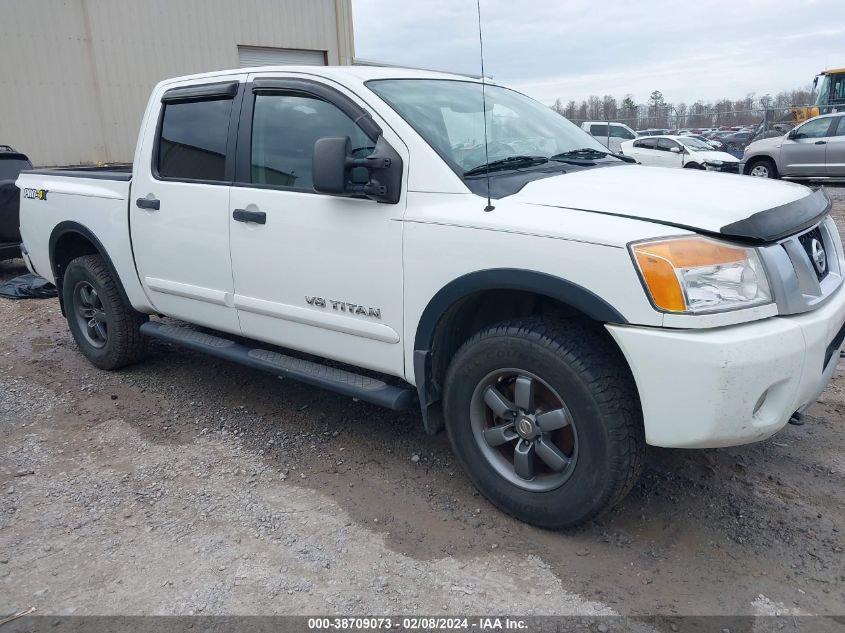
(779, 222)
(769, 225)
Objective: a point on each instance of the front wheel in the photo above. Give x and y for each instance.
(761, 168)
(104, 326)
(545, 419)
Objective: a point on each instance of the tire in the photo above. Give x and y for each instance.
(761, 168)
(693, 166)
(91, 296)
(572, 362)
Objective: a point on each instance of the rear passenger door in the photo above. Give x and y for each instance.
(313, 272)
(645, 151)
(179, 211)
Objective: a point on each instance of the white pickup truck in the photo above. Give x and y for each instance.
(338, 219)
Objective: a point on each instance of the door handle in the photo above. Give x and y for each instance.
(242, 215)
(821, 142)
(153, 204)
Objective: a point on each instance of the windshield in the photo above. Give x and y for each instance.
(448, 114)
(824, 91)
(695, 144)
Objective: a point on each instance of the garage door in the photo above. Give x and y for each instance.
(259, 56)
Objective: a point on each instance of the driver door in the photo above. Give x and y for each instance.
(803, 151)
(668, 157)
(835, 154)
(312, 272)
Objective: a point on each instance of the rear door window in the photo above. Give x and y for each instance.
(646, 143)
(192, 145)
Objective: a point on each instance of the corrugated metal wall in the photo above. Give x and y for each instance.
(75, 75)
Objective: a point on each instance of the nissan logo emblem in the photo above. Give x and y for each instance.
(819, 256)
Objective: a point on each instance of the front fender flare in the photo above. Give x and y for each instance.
(565, 291)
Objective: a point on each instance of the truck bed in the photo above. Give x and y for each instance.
(88, 201)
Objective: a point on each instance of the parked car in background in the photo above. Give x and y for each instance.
(717, 145)
(609, 134)
(814, 149)
(652, 132)
(736, 141)
(680, 152)
(11, 165)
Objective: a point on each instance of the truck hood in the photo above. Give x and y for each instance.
(742, 207)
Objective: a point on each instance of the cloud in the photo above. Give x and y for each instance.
(575, 48)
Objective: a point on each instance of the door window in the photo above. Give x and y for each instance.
(646, 143)
(840, 130)
(193, 138)
(598, 130)
(817, 128)
(666, 144)
(617, 131)
(285, 127)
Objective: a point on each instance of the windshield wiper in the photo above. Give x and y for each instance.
(585, 152)
(511, 162)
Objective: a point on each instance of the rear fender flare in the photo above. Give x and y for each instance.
(70, 227)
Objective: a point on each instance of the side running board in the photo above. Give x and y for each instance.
(345, 382)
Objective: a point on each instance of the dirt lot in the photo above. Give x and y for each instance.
(188, 485)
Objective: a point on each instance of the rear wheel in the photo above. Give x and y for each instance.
(104, 326)
(761, 168)
(545, 419)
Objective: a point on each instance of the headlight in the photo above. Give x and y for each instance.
(698, 274)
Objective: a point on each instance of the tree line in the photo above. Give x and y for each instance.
(656, 112)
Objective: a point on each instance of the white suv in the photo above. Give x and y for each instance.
(611, 135)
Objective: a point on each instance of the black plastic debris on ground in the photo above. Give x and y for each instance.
(28, 286)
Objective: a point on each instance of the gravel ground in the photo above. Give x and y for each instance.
(186, 485)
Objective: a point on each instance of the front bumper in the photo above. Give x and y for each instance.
(727, 168)
(731, 385)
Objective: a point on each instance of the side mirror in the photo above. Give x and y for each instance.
(793, 134)
(333, 163)
(675, 150)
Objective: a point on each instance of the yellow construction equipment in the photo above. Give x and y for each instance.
(830, 96)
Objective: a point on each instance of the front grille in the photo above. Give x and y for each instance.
(797, 285)
(812, 242)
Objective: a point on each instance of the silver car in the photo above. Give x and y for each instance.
(814, 149)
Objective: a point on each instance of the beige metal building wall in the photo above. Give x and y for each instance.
(75, 75)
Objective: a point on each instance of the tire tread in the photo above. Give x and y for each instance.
(605, 373)
(128, 345)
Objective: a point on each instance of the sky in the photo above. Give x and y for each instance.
(571, 49)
